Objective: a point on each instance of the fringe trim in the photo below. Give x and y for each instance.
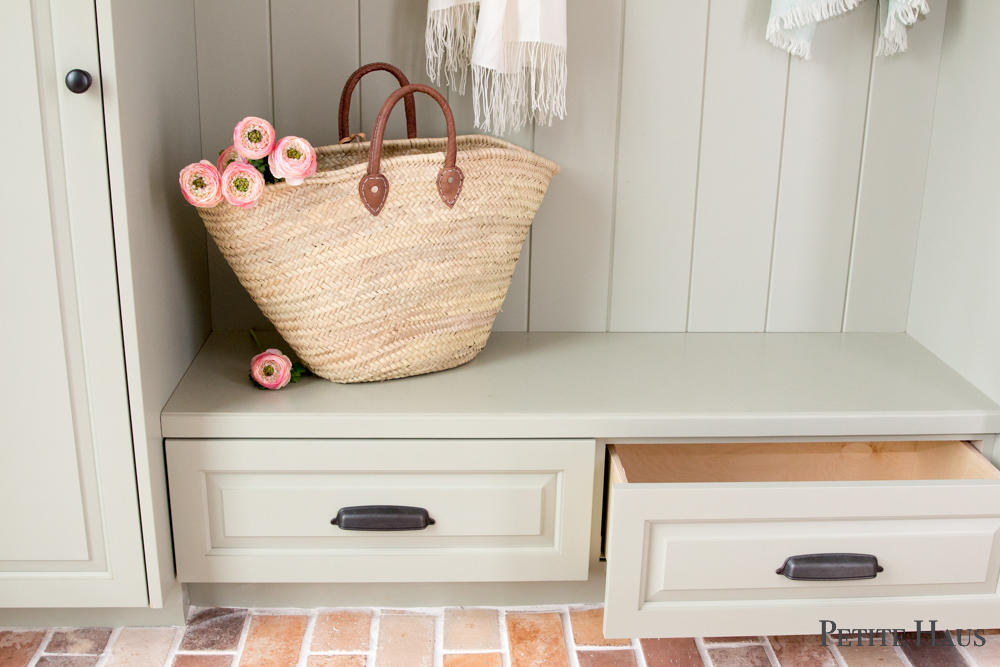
(797, 47)
(448, 42)
(802, 16)
(902, 14)
(534, 88)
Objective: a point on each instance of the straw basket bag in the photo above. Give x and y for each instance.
(392, 268)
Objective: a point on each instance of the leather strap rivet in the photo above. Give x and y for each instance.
(449, 179)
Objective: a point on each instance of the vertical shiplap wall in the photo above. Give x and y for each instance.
(709, 181)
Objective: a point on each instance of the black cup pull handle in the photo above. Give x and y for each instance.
(830, 567)
(382, 517)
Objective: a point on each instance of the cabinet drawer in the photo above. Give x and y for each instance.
(261, 510)
(696, 535)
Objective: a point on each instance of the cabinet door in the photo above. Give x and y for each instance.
(69, 517)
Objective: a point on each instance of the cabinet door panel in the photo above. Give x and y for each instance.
(68, 503)
(43, 515)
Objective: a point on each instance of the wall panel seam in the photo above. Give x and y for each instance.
(697, 167)
(201, 143)
(777, 198)
(527, 304)
(923, 190)
(270, 55)
(861, 175)
(361, 83)
(614, 180)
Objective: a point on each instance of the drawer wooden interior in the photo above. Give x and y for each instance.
(797, 462)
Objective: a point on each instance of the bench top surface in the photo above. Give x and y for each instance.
(603, 385)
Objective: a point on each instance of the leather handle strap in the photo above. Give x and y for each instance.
(374, 187)
(352, 82)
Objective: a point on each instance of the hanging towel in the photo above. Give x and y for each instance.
(517, 53)
(793, 22)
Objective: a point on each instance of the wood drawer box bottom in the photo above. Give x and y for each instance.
(261, 510)
(697, 535)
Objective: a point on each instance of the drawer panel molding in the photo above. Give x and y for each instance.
(261, 510)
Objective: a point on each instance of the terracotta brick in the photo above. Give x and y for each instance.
(405, 640)
(217, 629)
(606, 658)
(274, 641)
(588, 628)
(471, 630)
(731, 640)
(223, 660)
(986, 655)
(871, 656)
(17, 648)
(741, 656)
(473, 660)
(802, 651)
(337, 661)
(88, 641)
(142, 647)
(671, 653)
(342, 631)
(68, 660)
(536, 640)
(942, 654)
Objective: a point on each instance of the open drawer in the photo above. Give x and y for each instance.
(699, 537)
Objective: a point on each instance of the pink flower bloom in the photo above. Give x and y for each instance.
(253, 138)
(242, 184)
(227, 157)
(201, 184)
(271, 369)
(292, 159)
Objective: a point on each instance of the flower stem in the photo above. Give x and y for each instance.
(256, 340)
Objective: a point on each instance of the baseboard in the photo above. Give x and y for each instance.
(306, 596)
(173, 612)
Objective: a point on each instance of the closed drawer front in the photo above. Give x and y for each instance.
(262, 511)
(697, 534)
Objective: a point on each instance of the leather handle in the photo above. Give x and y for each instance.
(352, 81)
(374, 187)
(830, 567)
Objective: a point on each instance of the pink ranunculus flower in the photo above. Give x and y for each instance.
(293, 159)
(271, 369)
(242, 184)
(253, 138)
(227, 157)
(201, 184)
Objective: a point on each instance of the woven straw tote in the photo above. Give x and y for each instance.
(393, 268)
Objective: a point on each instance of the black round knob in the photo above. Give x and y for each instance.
(78, 81)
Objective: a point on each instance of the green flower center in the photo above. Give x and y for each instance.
(268, 370)
(294, 153)
(241, 183)
(255, 135)
(199, 182)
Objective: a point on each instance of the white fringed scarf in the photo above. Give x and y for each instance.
(793, 22)
(517, 52)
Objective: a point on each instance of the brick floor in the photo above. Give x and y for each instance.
(453, 637)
